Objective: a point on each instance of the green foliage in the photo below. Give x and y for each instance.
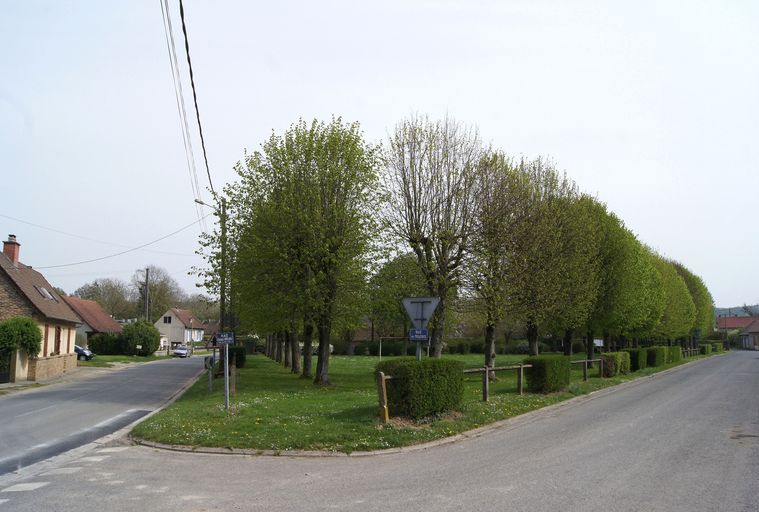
(238, 355)
(423, 388)
(674, 354)
(679, 314)
(106, 343)
(141, 334)
(706, 348)
(718, 346)
(616, 363)
(657, 356)
(398, 278)
(578, 347)
(638, 358)
(702, 299)
(549, 373)
(20, 333)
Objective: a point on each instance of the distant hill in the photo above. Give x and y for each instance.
(737, 311)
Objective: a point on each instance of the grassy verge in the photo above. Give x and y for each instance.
(275, 410)
(108, 361)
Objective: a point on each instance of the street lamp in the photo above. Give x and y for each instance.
(223, 266)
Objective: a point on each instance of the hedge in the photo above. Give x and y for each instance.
(638, 358)
(674, 354)
(706, 348)
(548, 373)
(718, 347)
(616, 363)
(419, 389)
(21, 332)
(105, 344)
(657, 356)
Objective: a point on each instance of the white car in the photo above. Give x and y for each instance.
(182, 351)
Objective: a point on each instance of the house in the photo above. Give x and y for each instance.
(178, 326)
(210, 329)
(26, 292)
(729, 323)
(749, 338)
(94, 319)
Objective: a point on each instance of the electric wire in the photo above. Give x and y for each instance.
(123, 252)
(194, 95)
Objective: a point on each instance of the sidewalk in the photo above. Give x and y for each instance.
(73, 375)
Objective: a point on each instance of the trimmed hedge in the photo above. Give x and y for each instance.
(616, 363)
(674, 354)
(706, 348)
(657, 356)
(423, 388)
(718, 347)
(238, 355)
(21, 332)
(106, 344)
(548, 373)
(638, 358)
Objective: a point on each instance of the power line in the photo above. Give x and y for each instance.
(194, 95)
(124, 252)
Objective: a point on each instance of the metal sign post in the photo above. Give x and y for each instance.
(419, 310)
(226, 339)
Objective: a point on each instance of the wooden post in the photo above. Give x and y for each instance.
(485, 383)
(382, 388)
(601, 367)
(520, 380)
(585, 371)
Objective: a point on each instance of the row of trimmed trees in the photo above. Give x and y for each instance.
(317, 215)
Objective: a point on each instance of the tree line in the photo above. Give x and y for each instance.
(325, 229)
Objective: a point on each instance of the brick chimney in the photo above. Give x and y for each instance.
(11, 249)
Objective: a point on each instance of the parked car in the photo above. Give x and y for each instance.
(83, 354)
(182, 351)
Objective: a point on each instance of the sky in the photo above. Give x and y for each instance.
(652, 106)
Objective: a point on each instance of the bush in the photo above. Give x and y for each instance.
(548, 373)
(477, 347)
(373, 348)
(706, 348)
(106, 344)
(21, 333)
(616, 363)
(238, 355)
(638, 358)
(422, 388)
(578, 347)
(674, 354)
(360, 349)
(463, 348)
(718, 347)
(141, 334)
(657, 356)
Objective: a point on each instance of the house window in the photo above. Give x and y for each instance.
(46, 294)
(167, 319)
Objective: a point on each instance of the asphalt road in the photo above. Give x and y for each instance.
(40, 423)
(687, 440)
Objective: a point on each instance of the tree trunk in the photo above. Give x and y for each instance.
(280, 347)
(532, 338)
(288, 349)
(590, 347)
(568, 342)
(490, 348)
(322, 362)
(308, 334)
(437, 331)
(295, 352)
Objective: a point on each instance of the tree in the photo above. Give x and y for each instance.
(163, 292)
(396, 279)
(305, 229)
(20, 333)
(431, 183)
(139, 338)
(679, 314)
(113, 295)
(702, 299)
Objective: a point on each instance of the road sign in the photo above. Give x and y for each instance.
(225, 338)
(420, 309)
(418, 335)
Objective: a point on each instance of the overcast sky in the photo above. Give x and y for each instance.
(651, 105)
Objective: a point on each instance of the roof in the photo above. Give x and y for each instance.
(211, 328)
(38, 291)
(753, 327)
(93, 315)
(187, 318)
(734, 322)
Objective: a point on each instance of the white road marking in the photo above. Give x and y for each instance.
(3, 501)
(113, 450)
(93, 459)
(140, 487)
(115, 482)
(31, 486)
(61, 471)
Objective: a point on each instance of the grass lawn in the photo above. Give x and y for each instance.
(108, 361)
(276, 410)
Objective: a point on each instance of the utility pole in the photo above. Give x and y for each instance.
(223, 267)
(147, 294)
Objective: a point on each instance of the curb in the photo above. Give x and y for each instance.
(507, 424)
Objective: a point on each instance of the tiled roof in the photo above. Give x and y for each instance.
(38, 291)
(93, 315)
(734, 322)
(211, 328)
(753, 327)
(187, 318)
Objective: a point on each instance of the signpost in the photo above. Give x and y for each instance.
(226, 339)
(419, 310)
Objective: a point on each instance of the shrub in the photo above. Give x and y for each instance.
(105, 343)
(360, 349)
(373, 349)
(477, 347)
(141, 334)
(718, 347)
(616, 363)
(706, 348)
(674, 354)
(20, 333)
(548, 373)
(657, 356)
(638, 358)
(422, 388)
(464, 348)
(238, 355)
(578, 347)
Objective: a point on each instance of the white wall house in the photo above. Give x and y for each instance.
(178, 327)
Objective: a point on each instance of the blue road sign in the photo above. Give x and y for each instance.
(225, 338)
(418, 335)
